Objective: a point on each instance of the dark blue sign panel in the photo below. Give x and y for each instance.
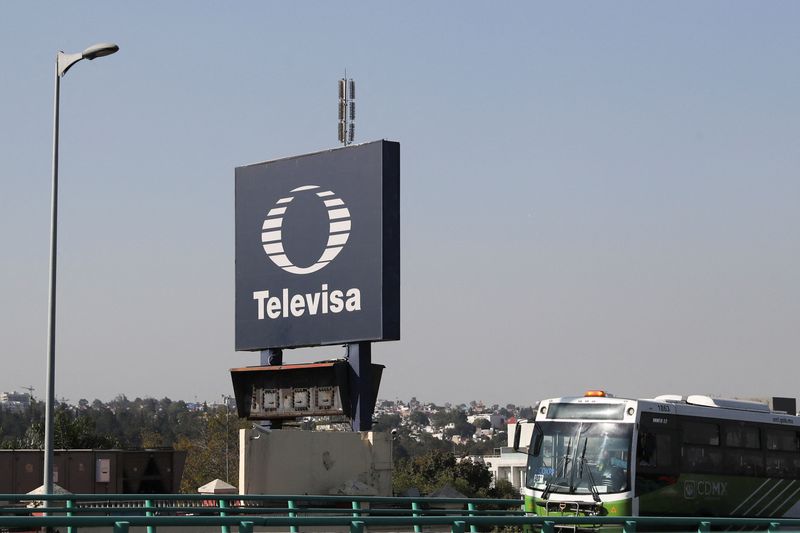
(318, 248)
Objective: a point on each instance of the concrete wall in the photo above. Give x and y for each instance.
(313, 462)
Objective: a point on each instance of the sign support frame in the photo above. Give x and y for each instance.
(362, 389)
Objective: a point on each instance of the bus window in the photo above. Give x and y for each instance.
(703, 433)
(702, 459)
(783, 440)
(654, 450)
(744, 462)
(741, 436)
(781, 464)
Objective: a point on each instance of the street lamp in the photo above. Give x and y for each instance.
(63, 63)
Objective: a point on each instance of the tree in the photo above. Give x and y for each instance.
(436, 469)
(214, 452)
(504, 489)
(407, 446)
(419, 418)
(482, 423)
(527, 413)
(69, 432)
(387, 422)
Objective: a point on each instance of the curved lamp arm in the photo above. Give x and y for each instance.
(65, 61)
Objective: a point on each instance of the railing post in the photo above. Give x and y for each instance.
(148, 504)
(773, 527)
(471, 508)
(292, 514)
(245, 527)
(356, 526)
(121, 527)
(629, 526)
(548, 526)
(223, 504)
(458, 527)
(415, 514)
(70, 504)
(704, 527)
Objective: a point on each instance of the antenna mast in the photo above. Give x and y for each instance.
(347, 110)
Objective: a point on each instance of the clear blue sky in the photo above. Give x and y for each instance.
(594, 194)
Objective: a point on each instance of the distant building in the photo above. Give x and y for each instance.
(15, 401)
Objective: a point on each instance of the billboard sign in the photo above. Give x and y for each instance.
(318, 248)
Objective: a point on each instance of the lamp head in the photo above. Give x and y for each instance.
(99, 50)
(65, 61)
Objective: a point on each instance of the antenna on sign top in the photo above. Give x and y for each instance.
(347, 110)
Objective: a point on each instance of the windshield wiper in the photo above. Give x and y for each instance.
(549, 485)
(592, 486)
(582, 463)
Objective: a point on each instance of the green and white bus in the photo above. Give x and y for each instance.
(598, 455)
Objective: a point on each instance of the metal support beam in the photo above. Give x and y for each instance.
(362, 400)
(272, 357)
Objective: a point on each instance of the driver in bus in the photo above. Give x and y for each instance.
(611, 476)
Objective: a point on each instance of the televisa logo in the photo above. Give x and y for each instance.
(312, 303)
(322, 302)
(339, 231)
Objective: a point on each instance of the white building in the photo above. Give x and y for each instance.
(508, 464)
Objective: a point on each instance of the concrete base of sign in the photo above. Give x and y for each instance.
(313, 462)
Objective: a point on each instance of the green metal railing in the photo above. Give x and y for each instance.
(225, 511)
(245, 512)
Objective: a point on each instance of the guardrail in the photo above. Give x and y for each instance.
(226, 510)
(297, 512)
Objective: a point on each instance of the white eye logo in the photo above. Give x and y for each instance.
(338, 215)
(689, 489)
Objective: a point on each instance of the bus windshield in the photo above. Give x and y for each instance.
(580, 457)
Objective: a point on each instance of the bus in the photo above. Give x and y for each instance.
(598, 455)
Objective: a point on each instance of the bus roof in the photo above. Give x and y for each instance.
(696, 405)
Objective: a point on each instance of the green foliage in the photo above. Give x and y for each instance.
(504, 489)
(209, 435)
(436, 469)
(483, 423)
(456, 417)
(407, 446)
(485, 446)
(70, 431)
(387, 422)
(140, 423)
(419, 418)
(527, 413)
(213, 452)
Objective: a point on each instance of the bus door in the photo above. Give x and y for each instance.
(657, 462)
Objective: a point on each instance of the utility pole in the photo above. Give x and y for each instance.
(225, 399)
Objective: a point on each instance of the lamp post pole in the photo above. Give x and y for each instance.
(63, 63)
(51, 318)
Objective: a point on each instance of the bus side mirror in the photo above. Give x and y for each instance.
(517, 434)
(538, 439)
